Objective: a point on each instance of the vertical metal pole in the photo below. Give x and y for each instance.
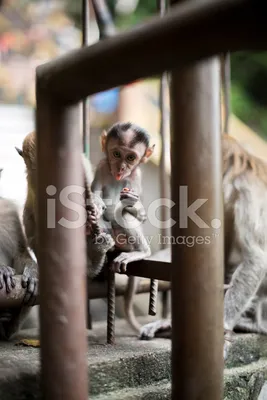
(85, 116)
(197, 255)
(107, 29)
(85, 103)
(164, 122)
(163, 182)
(61, 253)
(226, 87)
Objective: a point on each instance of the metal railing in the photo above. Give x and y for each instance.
(187, 35)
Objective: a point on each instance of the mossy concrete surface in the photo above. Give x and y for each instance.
(131, 369)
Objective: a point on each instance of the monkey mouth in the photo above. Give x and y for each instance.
(118, 176)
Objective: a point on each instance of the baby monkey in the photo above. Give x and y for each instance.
(118, 182)
(126, 147)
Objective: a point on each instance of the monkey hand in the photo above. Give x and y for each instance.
(129, 196)
(103, 242)
(155, 329)
(6, 278)
(30, 282)
(93, 215)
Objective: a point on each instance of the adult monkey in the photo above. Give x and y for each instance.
(98, 243)
(245, 216)
(15, 259)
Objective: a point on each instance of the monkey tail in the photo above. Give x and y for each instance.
(128, 303)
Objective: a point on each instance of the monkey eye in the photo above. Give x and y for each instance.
(116, 154)
(131, 157)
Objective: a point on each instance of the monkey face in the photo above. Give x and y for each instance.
(124, 159)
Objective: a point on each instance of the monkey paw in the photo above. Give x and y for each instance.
(30, 282)
(103, 242)
(129, 196)
(119, 264)
(6, 278)
(149, 331)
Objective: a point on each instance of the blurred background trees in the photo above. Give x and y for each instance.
(248, 70)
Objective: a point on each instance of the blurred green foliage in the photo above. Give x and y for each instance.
(248, 70)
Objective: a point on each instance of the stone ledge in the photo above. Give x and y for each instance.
(131, 367)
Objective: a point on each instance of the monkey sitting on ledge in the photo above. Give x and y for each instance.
(15, 259)
(118, 182)
(245, 221)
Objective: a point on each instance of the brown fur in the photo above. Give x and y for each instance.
(245, 221)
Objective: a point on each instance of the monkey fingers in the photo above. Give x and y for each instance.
(129, 198)
(119, 264)
(6, 278)
(155, 329)
(30, 282)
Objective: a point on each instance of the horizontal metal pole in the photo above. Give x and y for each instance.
(189, 32)
(97, 290)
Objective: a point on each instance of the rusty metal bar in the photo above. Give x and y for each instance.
(226, 88)
(61, 252)
(85, 103)
(106, 29)
(97, 290)
(83, 72)
(111, 308)
(164, 122)
(197, 271)
(85, 115)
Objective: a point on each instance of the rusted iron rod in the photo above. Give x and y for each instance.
(83, 72)
(164, 178)
(61, 252)
(226, 89)
(104, 19)
(97, 290)
(197, 271)
(85, 103)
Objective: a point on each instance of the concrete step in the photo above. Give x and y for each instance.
(131, 368)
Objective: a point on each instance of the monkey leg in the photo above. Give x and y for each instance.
(97, 249)
(160, 328)
(11, 325)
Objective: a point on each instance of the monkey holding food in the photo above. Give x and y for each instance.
(118, 182)
(245, 221)
(15, 259)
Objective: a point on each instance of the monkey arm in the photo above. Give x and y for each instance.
(132, 204)
(29, 225)
(135, 237)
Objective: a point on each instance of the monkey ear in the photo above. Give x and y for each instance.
(19, 151)
(103, 140)
(149, 152)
